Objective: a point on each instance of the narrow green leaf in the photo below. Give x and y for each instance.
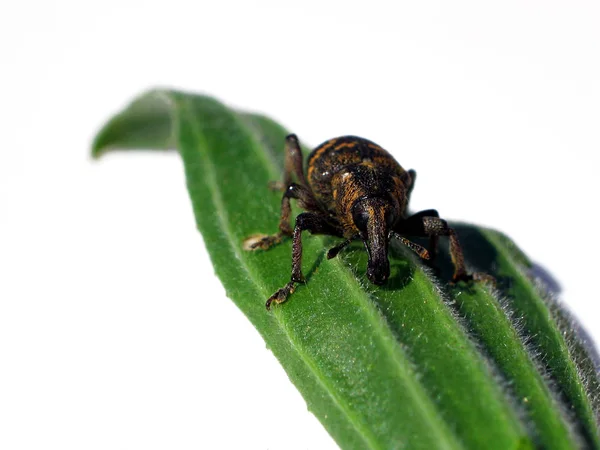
(413, 364)
(572, 375)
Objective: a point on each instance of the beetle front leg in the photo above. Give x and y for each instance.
(314, 223)
(415, 222)
(428, 223)
(434, 226)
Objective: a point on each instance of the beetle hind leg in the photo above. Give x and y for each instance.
(292, 165)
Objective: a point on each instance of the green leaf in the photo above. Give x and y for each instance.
(417, 363)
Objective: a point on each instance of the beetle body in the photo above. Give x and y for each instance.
(345, 170)
(353, 189)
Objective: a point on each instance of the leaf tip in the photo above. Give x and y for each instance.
(98, 147)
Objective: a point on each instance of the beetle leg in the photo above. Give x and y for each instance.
(307, 221)
(415, 221)
(299, 191)
(333, 251)
(293, 161)
(434, 226)
(305, 201)
(418, 249)
(292, 165)
(428, 223)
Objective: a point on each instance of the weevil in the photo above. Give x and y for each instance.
(353, 189)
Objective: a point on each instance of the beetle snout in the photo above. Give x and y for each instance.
(378, 271)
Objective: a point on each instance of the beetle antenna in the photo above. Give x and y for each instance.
(418, 249)
(333, 251)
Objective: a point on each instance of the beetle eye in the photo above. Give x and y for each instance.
(361, 218)
(390, 217)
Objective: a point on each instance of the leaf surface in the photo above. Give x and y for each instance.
(414, 364)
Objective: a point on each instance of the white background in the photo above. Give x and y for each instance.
(114, 332)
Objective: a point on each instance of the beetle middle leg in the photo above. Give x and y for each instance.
(305, 200)
(307, 221)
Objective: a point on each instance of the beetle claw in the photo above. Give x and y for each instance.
(261, 241)
(280, 295)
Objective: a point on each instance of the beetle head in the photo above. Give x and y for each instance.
(374, 217)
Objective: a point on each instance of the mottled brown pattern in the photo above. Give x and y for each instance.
(345, 154)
